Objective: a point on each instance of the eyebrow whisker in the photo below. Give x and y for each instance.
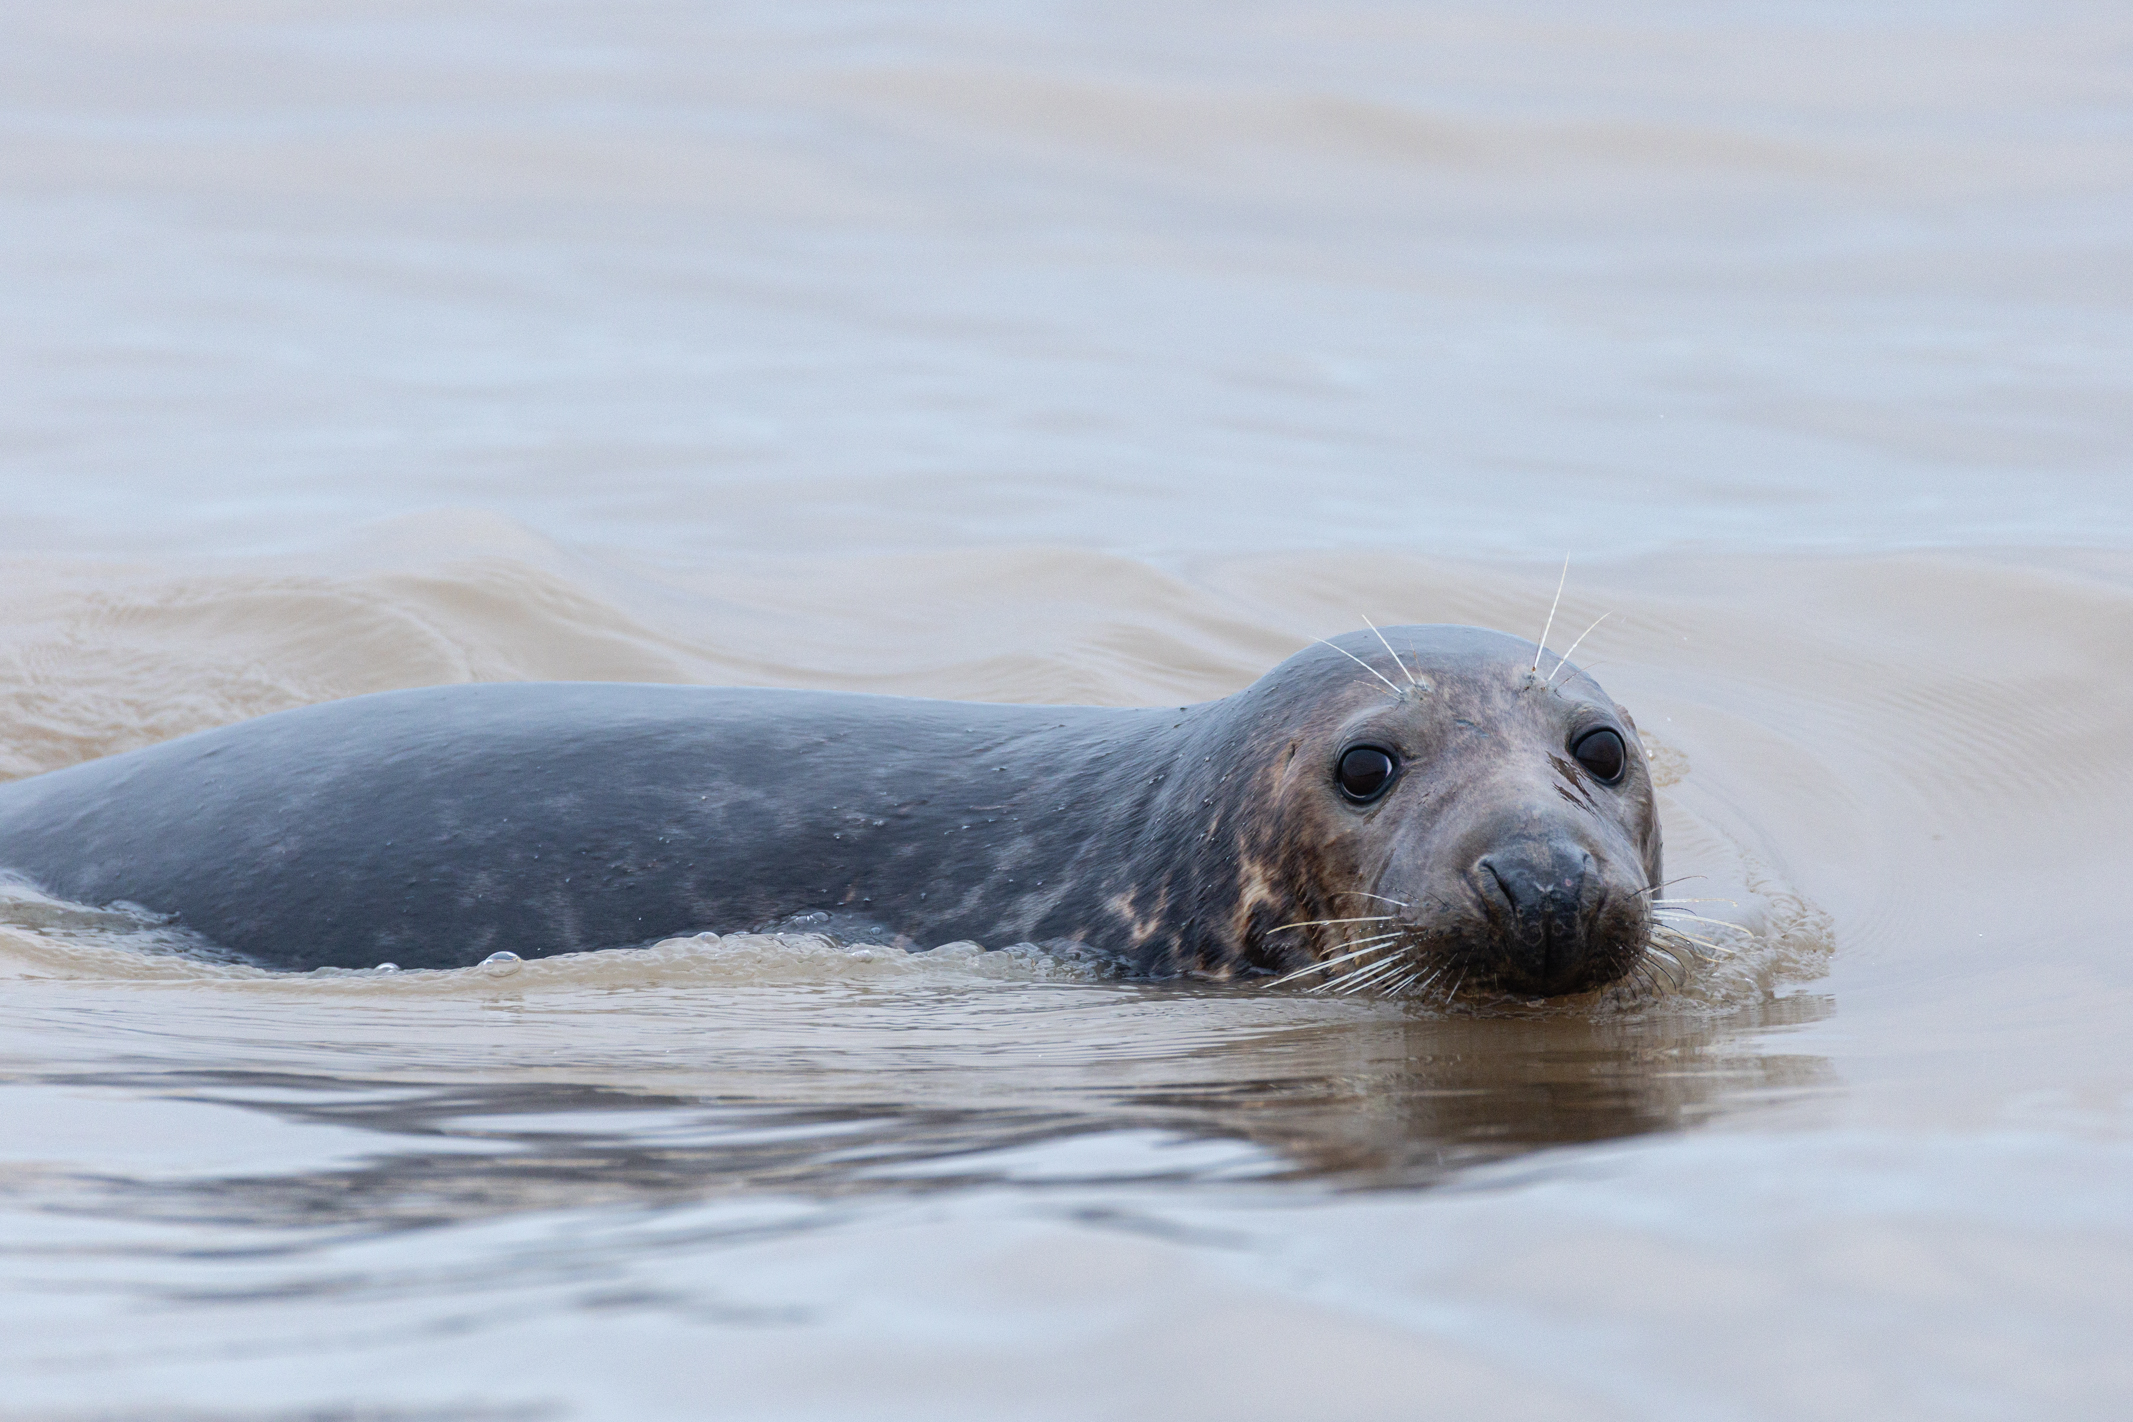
(1550, 625)
(1394, 655)
(1564, 660)
(1397, 694)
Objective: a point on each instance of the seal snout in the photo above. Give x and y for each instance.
(1545, 896)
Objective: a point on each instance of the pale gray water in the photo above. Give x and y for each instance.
(1092, 353)
(1504, 280)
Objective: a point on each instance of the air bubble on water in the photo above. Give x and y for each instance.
(501, 963)
(386, 968)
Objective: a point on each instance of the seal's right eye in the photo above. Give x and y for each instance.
(1364, 772)
(1602, 753)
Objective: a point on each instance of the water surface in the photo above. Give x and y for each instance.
(1096, 354)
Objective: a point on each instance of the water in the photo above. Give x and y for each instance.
(1099, 354)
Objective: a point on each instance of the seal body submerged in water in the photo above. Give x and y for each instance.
(1449, 813)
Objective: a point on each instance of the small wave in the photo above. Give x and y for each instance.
(1779, 939)
(46, 937)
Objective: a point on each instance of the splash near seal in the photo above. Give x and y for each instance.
(1423, 808)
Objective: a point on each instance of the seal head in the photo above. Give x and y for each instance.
(1452, 812)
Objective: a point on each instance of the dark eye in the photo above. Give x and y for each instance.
(1364, 772)
(1602, 753)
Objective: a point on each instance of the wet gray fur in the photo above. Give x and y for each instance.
(433, 827)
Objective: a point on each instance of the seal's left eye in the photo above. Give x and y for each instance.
(1602, 753)
(1364, 772)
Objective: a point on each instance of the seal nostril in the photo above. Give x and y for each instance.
(1542, 897)
(1503, 885)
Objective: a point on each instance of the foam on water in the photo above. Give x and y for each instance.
(1767, 941)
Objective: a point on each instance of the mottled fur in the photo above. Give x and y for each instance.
(435, 826)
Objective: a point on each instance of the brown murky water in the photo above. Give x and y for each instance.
(1101, 353)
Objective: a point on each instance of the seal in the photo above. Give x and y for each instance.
(1468, 809)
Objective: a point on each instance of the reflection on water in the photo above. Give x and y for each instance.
(1416, 1099)
(1391, 1096)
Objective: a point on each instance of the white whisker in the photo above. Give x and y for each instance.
(1667, 915)
(1401, 986)
(1665, 925)
(1421, 681)
(1396, 903)
(1564, 660)
(1550, 625)
(1356, 950)
(1363, 977)
(1394, 655)
(1681, 932)
(1681, 981)
(1389, 686)
(1361, 946)
(1720, 950)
